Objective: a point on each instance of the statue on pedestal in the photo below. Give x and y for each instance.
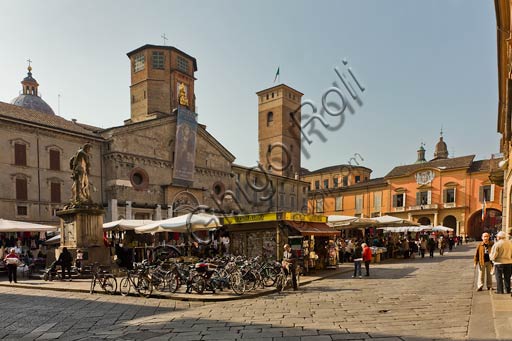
(80, 166)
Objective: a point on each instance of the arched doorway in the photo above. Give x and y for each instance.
(491, 223)
(451, 221)
(424, 221)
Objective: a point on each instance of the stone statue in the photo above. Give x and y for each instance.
(183, 95)
(80, 166)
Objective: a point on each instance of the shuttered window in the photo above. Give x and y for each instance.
(55, 192)
(21, 189)
(20, 154)
(54, 159)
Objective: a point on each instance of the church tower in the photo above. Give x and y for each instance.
(159, 74)
(279, 133)
(441, 151)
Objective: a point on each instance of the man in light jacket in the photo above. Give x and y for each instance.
(483, 262)
(501, 255)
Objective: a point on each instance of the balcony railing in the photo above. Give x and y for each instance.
(399, 209)
(423, 207)
(450, 205)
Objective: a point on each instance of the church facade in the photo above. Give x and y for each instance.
(160, 163)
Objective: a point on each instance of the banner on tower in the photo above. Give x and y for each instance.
(185, 147)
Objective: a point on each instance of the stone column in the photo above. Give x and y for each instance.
(128, 214)
(435, 219)
(112, 213)
(169, 212)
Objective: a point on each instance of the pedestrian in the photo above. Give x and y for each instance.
(65, 261)
(483, 262)
(423, 247)
(431, 246)
(441, 245)
(358, 258)
(290, 264)
(405, 246)
(12, 262)
(501, 255)
(367, 258)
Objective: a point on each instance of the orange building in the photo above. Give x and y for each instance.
(443, 191)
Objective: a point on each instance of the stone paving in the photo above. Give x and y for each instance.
(420, 299)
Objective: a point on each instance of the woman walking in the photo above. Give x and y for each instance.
(358, 258)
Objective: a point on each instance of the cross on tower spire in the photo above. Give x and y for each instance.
(29, 67)
(164, 38)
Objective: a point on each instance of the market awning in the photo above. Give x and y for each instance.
(125, 224)
(21, 226)
(312, 229)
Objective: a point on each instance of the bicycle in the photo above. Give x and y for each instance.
(284, 278)
(137, 280)
(103, 278)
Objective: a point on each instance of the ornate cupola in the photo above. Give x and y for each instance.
(441, 151)
(421, 154)
(29, 97)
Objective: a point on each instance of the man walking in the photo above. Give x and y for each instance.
(483, 261)
(501, 255)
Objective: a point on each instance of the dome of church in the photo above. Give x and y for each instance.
(441, 151)
(33, 102)
(30, 98)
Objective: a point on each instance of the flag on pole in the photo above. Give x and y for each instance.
(483, 210)
(277, 75)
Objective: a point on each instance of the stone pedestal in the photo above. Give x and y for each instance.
(82, 228)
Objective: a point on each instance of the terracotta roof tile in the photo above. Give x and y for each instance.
(456, 162)
(35, 117)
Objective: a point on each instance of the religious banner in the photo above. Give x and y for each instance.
(185, 147)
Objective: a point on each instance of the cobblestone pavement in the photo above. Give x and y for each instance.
(419, 299)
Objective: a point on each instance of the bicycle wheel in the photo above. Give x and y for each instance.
(124, 286)
(250, 281)
(236, 283)
(269, 276)
(93, 284)
(144, 287)
(280, 282)
(198, 284)
(109, 284)
(174, 283)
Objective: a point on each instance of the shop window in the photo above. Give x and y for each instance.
(21, 189)
(20, 154)
(55, 192)
(54, 159)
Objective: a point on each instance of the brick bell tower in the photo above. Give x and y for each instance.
(279, 134)
(158, 74)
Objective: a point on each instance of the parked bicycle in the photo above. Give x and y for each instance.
(106, 280)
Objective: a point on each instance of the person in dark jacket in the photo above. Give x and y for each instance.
(65, 261)
(358, 258)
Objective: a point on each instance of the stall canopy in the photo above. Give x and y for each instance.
(197, 222)
(441, 228)
(53, 240)
(125, 224)
(312, 229)
(404, 229)
(390, 221)
(21, 226)
(345, 223)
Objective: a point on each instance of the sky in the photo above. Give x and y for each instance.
(424, 66)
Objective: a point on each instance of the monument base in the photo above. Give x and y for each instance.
(81, 228)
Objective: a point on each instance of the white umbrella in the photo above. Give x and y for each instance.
(125, 224)
(399, 229)
(197, 222)
(21, 226)
(53, 240)
(387, 220)
(441, 228)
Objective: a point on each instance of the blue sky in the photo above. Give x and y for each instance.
(424, 64)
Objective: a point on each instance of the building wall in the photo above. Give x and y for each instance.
(39, 177)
